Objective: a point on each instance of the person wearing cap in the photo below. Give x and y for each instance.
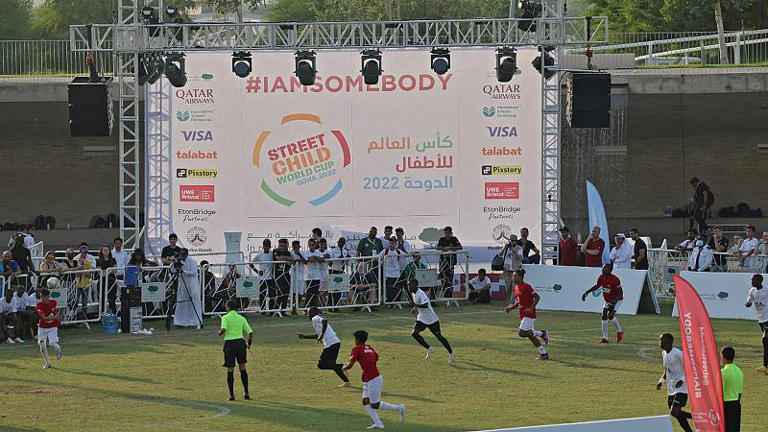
(621, 254)
(569, 249)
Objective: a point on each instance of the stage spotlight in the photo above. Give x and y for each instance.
(175, 70)
(147, 13)
(549, 64)
(527, 11)
(506, 64)
(441, 60)
(306, 69)
(155, 68)
(241, 63)
(172, 12)
(371, 66)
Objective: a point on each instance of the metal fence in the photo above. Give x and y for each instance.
(21, 58)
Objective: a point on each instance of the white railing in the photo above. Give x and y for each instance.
(29, 58)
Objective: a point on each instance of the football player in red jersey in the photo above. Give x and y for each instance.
(372, 381)
(48, 326)
(613, 295)
(526, 298)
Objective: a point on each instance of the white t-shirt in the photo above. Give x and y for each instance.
(6, 306)
(316, 270)
(426, 315)
(19, 303)
(337, 252)
(511, 262)
(759, 298)
(297, 277)
(391, 261)
(30, 300)
(480, 284)
(29, 241)
(329, 338)
(673, 363)
(121, 258)
(746, 246)
(265, 267)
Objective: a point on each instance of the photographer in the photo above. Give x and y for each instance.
(188, 307)
(513, 260)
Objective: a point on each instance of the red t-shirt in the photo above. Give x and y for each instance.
(613, 284)
(367, 357)
(594, 260)
(44, 309)
(524, 296)
(569, 252)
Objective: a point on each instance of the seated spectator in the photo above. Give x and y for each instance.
(528, 246)
(27, 318)
(479, 288)
(49, 267)
(686, 246)
(70, 264)
(621, 254)
(140, 260)
(719, 245)
(362, 284)
(209, 289)
(593, 249)
(228, 287)
(410, 270)
(735, 244)
(700, 259)
(9, 317)
(10, 266)
(569, 249)
(748, 251)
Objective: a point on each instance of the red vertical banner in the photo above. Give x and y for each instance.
(702, 363)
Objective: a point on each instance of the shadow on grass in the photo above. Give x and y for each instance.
(104, 375)
(294, 416)
(462, 365)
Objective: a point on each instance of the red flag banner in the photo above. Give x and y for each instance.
(702, 363)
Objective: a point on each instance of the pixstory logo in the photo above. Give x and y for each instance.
(502, 170)
(196, 173)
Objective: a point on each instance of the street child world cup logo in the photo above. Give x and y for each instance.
(301, 155)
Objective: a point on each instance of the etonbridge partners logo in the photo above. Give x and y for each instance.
(301, 160)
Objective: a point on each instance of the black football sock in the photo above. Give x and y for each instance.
(244, 379)
(231, 383)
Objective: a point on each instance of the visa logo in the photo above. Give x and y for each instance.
(502, 131)
(198, 135)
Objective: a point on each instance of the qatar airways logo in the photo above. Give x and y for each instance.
(195, 96)
(349, 84)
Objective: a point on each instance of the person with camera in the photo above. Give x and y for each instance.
(188, 308)
(168, 257)
(513, 260)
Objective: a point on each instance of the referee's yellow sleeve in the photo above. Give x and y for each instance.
(247, 326)
(224, 322)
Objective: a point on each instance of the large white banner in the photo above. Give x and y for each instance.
(561, 287)
(723, 294)
(272, 158)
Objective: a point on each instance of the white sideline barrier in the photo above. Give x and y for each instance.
(638, 424)
(723, 294)
(561, 287)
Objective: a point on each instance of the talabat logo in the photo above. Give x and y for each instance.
(199, 154)
(301, 160)
(502, 151)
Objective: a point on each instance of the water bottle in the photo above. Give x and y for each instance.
(109, 323)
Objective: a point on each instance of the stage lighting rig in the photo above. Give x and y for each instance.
(371, 66)
(441, 60)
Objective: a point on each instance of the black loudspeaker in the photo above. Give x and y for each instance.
(90, 107)
(129, 297)
(588, 100)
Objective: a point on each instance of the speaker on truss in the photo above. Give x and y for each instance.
(588, 99)
(90, 107)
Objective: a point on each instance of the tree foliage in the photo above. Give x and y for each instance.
(679, 15)
(54, 17)
(353, 10)
(15, 19)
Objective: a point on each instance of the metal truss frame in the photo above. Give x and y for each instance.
(130, 38)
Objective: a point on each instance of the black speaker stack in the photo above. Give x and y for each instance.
(588, 99)
(90, 107)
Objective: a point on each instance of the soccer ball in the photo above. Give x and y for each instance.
(52, 283)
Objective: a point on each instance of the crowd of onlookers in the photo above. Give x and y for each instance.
(711, 253)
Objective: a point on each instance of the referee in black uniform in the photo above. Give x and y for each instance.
(233, 327)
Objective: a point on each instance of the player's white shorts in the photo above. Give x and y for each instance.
(527, 323)
(372, 389)
(49, 333)
(615, 308)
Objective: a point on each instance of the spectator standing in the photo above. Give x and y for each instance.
(733, 387)
(267, 286)
(641, 250)
(88, 255)
(686, 246)
(371, 245)
(593, 249)
(447, 243)
(317, 234)
(701, 257)
(209, 288)
(105, 261)
(702, 201)
(390, 259)
(480, 288)
(387, 235)
(621, 254)
(719, 245)
(120, 255)
(748, 251)
(85, 265)
(23, 258)
(315, 270)
(528, 246)
(762, 250)
(297, 278)
(170, 253)
(282, 271)
(513, 261)
(402, 243)
(29, 236)
(340, 255)
(569, 249)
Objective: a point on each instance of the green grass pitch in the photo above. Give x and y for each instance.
(173, 381)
